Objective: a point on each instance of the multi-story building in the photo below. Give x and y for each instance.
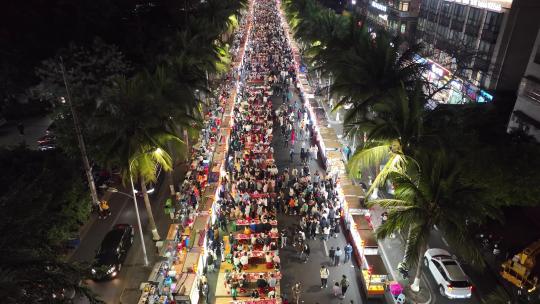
(397, 16)
(481, 40)
(526, 114)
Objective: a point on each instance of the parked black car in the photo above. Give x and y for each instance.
(112, 252)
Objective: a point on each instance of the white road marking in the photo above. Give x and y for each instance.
(444, 241)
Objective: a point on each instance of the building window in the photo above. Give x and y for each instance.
(468, 41)
(493, 22)
(445, 9)
(404, 6)
(454, 36)
(403, 28)
(474, 17)
(485, 49)
(459, 12)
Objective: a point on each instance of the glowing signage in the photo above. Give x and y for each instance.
(378, 6)
(492, 5)
(383, 17)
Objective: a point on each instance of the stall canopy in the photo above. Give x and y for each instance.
(375, 264)
(331, 143)
(361, 222)
(354, 195)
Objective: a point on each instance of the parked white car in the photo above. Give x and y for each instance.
(452, 281)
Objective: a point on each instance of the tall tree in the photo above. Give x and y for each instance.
(135, 129)
(394, 130)
(429, 193)
(89, 71)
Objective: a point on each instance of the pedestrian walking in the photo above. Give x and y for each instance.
(324, 276)
(348, 252)
(344, 285)
(337, 290)
(306, 250)
(337, 256)
(291, 154)
(283, 239)
(331, 254)
(204, 291)
(326, 232)
(296, 290)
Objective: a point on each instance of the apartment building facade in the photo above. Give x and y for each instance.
(397, 16)
(526, 114)
(486, 42)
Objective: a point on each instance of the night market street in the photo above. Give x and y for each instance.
(270, 152)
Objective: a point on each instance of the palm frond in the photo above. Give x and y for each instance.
(372, 155)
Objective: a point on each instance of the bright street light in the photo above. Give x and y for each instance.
(114, 190)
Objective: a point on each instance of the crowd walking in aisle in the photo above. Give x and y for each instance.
(259, 189)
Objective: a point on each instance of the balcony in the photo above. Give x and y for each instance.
(526, 114)
(530, 88)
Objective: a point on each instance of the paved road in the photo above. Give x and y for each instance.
(125, 287)
(34, 128)
(295, 270)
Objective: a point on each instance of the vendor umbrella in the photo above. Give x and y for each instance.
(395, 289)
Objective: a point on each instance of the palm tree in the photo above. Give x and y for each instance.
(366, 66)
(136, 130)
(183, 111)
(394, 128)
(428, 194)
(222, 14)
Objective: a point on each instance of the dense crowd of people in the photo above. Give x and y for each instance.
(249, 191)
(253, 190)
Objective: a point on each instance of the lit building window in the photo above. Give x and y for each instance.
(403, 27)
(404, 6)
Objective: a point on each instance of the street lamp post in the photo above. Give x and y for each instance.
(134, 198)
(137, 213)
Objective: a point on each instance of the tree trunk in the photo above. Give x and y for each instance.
(155, 234)
(404, 261)
(416, 284)
(80, 140)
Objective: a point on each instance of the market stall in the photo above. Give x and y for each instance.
(374, 277)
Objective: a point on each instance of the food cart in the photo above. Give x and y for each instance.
(374, 276)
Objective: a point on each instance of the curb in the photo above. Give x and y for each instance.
(392, 272)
